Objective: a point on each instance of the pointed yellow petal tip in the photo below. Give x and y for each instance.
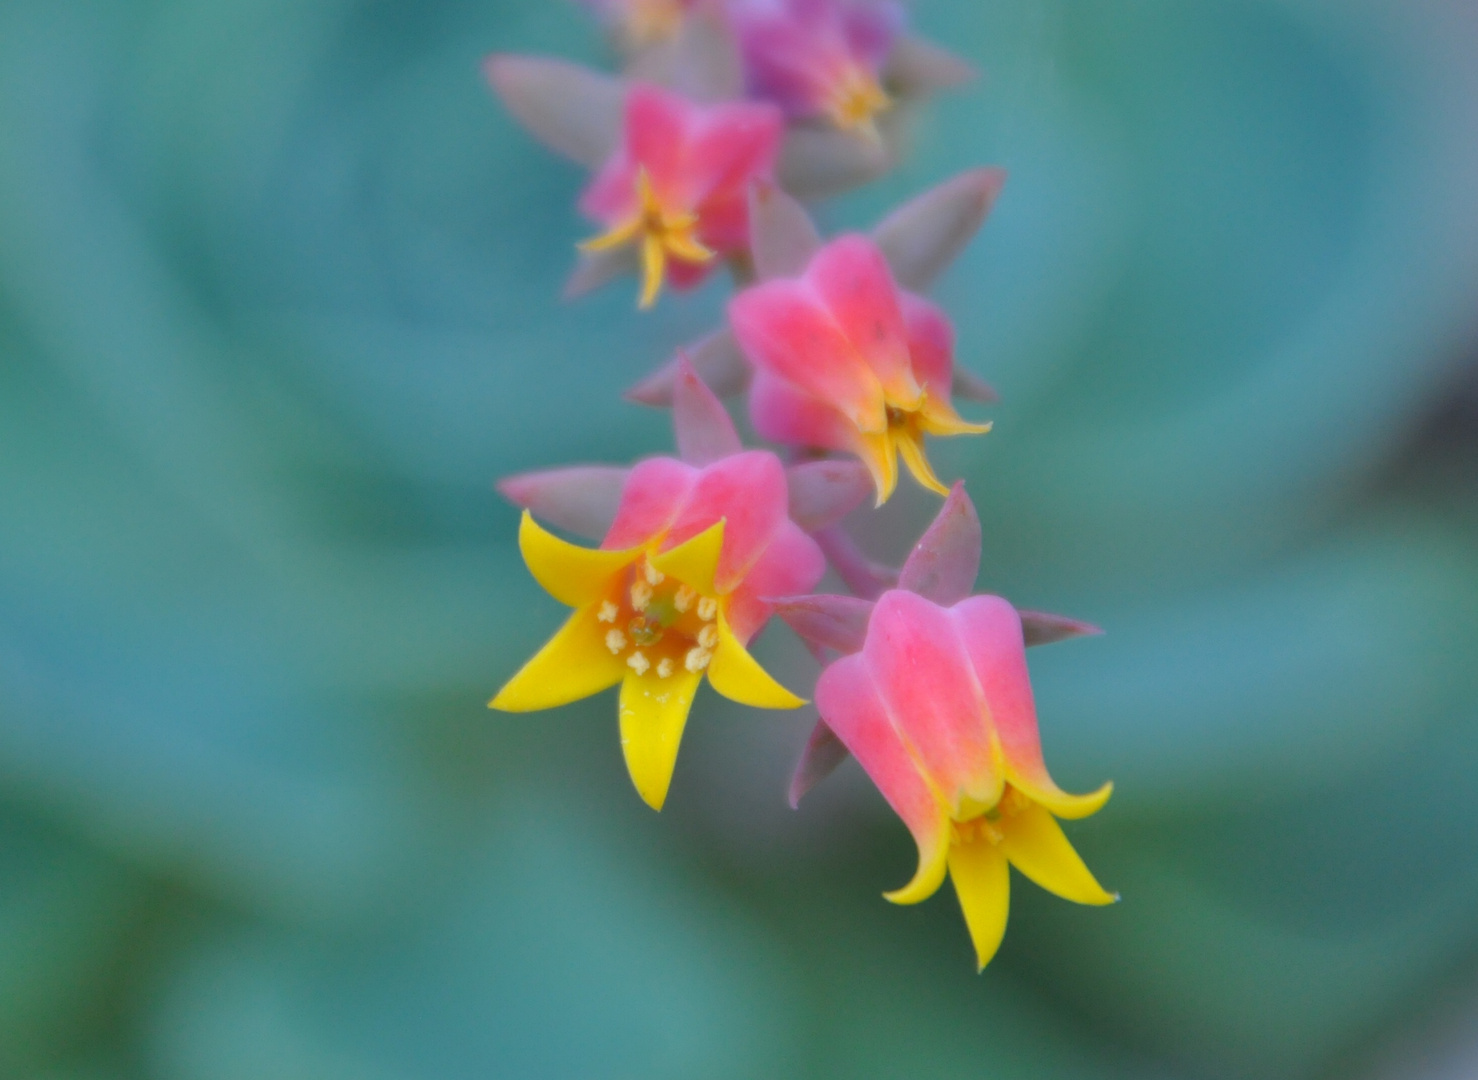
(571, 574)
(933, 866)
(695, 561)
(911, 449)
(737, 675)
(653, 714)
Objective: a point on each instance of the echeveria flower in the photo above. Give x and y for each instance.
(819, 59)
(934, 700)
(671, 174)
(678, 586)
(846, 360)
(677, 188)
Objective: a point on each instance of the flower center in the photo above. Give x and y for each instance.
(987, 826)
(659, 624)
(661, 232)
(855, 101)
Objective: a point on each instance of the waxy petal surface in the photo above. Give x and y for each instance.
(738, 676)
(852, 708)
(573, 575)
(573, 665)
(982, 881)
(1036, 846)
(833, 622)
(655, 491)
(792, 564)
(824, 492)
(991, 630)
(853, 281)
(918, 663)
(653, 714)
(748, 490)
(693, 562)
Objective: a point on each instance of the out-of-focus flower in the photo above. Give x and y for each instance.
(846, 360)
(918, 240)
(678, 586)
(676, 190)
(934, 700)
(671, 175)
(819, 59)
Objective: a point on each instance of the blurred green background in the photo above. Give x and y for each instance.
(278, 301)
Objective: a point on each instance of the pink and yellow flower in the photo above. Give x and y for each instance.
(934, 700)
(846, 360)
(676, 189)
(673, 594)
(638, 24)
(819, 58)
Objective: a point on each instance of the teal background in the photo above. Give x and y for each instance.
(278, 301)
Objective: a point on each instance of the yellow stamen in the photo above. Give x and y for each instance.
(855, 101)
(664, 233)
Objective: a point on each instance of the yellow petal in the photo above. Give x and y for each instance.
(653, 267)
(653, 713)
(880, 457)
(939, 418)
(934, 854)
(571, 574)
(1036, 846)
(614, 237)
(695, 561)
(1048, 794)
(685, 246)
(982, 880)
(573, 665)
(911, 447)
(739, 677)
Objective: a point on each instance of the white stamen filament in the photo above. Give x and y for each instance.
(697, 659)
(708, 637)
(684, 599)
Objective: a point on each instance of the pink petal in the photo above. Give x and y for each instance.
(700, 423)
(991, 630)
(851, 706)
(746, 490)
(791, 564)
(833, 622)
(784, 329)
(782, 413)
(733, 145)
(582, 499)
(918, 663)
(824, 492)
(822, 754)
(658, 133)
(931, 344)
(943, 564)
(852, 278)
(782, 236)
(923, 236)
(654, 493)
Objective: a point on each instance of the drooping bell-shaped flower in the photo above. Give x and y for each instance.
(678, 585)
(934, 700)
(819, 59)
(671, 174)
(846, 360)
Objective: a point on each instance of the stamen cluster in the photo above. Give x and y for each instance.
(725, 116)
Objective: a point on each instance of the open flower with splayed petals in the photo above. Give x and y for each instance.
(671, 174)
(934, 700)
(676, 191)
(691, 550)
